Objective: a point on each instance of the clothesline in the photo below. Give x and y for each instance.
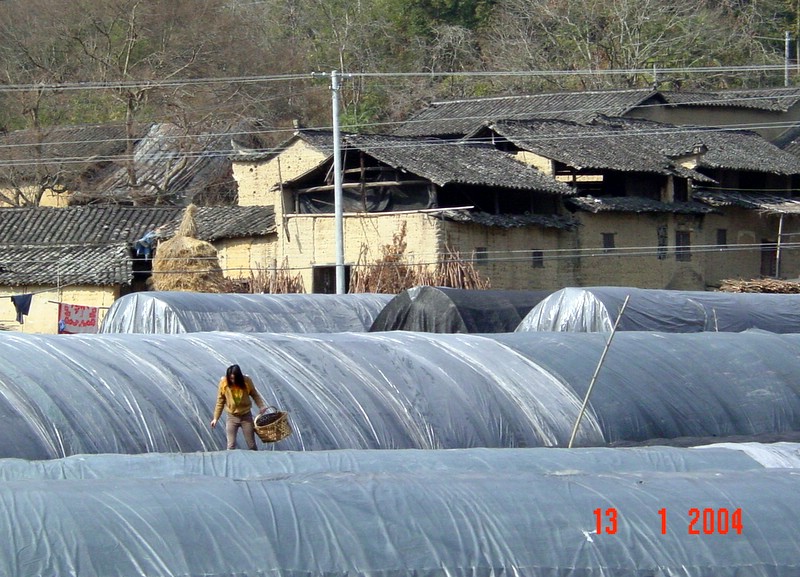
(66, 303)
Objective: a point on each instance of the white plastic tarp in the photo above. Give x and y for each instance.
(190, 312)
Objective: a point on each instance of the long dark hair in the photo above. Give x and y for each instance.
(238, 378)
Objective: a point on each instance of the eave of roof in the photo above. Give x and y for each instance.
(460, 117)
(767, 203)
(444, 162)
(511, 220)
(770, 100)
(637, 204)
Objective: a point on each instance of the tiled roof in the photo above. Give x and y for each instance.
(459, 117)
(65, 264)
(623, 146)
(218, 222)
(771, 99)
(81, 224)
(195, 167)
(444, 162)
(94, 244)
(637, 205)
(745, 150)
(725, 148)
(90, 161)
(769, 203)
(511, 220)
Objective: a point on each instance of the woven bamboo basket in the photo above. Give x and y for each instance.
(273, 425)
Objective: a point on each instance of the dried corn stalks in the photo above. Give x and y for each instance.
(391, 274)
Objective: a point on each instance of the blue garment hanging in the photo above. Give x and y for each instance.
(22, 303)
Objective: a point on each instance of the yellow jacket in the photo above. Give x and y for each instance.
(240, 405)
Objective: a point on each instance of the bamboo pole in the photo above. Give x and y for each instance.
(596, 371)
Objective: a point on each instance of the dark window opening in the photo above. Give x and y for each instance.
(683, 243)
(324, 279)
(680, 190)
(481, 255)
(769, 254)
(537, 259)
(661, 252)
(722, 237)
(609, 241)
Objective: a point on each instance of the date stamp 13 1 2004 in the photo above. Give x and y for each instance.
(698, 521)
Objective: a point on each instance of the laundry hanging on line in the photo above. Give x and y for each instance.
(74, 319)
(22, 304)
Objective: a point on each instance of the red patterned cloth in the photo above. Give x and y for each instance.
(74, 319)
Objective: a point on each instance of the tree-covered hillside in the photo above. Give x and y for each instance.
(198, 62)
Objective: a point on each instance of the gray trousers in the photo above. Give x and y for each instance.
(245, 422)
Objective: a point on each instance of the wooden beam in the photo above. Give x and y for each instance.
(375, 184)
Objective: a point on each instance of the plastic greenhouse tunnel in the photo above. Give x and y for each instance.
(131, 393)
(596, 309)
(190, 312)
(476, 512)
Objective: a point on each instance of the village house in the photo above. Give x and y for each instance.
(772, 113)
(457, 200)
(71, 264)
(696, 205)
(650, 204)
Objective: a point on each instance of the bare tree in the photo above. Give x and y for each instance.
(606, 35)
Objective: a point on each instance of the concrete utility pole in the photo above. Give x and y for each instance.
(337, 181)
(337, 184)
(786, 57)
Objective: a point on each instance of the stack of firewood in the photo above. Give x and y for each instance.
(760, 286)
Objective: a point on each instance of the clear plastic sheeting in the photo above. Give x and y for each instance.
(132, 393)
(449, 310)
(255, 465)
(67, 395)
(428, 522)
(668, 385)
(769, 455)
(596, 309)
(190, 312)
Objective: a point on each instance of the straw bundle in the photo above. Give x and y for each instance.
(185, 263)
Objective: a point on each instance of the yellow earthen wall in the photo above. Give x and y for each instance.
(311, 239)
(238, 257)
(741, 259)
(509, 264)
(257, 180)
(43, 315)
(509, 255)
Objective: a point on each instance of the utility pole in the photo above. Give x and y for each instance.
(786, 57)
(337, 181)
(337, 184)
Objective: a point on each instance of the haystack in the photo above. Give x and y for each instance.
(186, 263)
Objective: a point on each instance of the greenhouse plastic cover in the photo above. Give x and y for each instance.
(426, 514)
(63, 395)
(450, 310)
(596, 309)
(189, 312)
